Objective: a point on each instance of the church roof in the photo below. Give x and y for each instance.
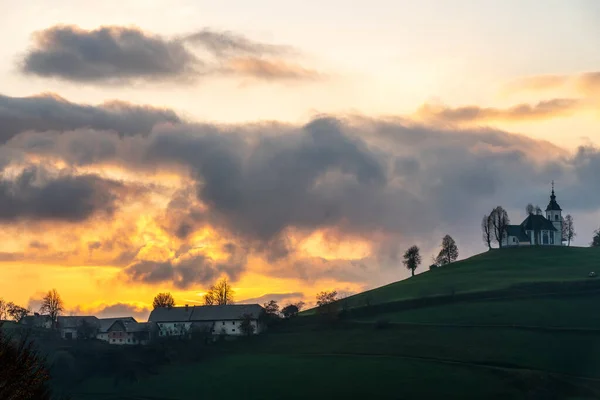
(537, 223)
(518, 232)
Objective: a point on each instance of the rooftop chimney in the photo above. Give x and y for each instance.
(186, 307)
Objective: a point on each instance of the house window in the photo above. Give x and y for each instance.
(121, 340)
(128, 341)
(232, 322)
(556, 217)
(233, 330)
(223, 322)
(514, 240)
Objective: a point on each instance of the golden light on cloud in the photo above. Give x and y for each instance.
(329, 247)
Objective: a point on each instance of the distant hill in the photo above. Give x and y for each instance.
(492, 270)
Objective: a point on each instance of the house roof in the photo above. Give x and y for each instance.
(537, 223)
(106, 323)
(75, 321)
(170, 314)
(138, 326)
(518, 232)
(35, 320)
(204, 313)
(227, 312)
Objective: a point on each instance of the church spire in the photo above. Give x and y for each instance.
(553, 205)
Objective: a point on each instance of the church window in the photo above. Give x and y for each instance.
(556, 217)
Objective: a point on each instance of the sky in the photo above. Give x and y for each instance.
(151, 146)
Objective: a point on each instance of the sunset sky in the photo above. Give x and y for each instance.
(150, 146)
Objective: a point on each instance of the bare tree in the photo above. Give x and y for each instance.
(449, 251)
(568, 229)
(412, 259)
(3, 309)
(486, 229)
(500, 222)
(23, 374)
(596, 239)
(52, 305)
(221, 293)
(163, 300)
(16, 312)
(530, 209)
(538, 210)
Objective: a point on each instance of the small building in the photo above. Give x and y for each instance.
(172, 321)
(106, 323)
(217, 320)
(37, 321)
(537, 229)
(71, 327)
(124, 333)
(226, 320)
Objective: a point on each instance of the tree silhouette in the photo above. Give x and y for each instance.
(500, 222)
(16, 312)
(52, 305)
(568, 229)
(23, 373)
(412, 259)
(449, 251)
(486, 229)
(530, 209)
(163, 300)
(221, 293)
(596, 239)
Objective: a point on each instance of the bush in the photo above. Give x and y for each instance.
(433, 266)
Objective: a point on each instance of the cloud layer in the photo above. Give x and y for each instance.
(116, 54)
(253, 197)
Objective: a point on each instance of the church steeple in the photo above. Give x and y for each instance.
(553, 205)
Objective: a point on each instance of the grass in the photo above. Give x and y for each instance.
(309, 359)
(563, 312)
(492, 270)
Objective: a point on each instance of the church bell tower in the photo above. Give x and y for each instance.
(554, 215)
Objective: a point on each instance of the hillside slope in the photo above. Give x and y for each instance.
(492, 270)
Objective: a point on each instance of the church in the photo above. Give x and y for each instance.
(537, 229)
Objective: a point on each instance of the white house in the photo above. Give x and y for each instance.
(124, 333)
(218, 320)
(537, 229)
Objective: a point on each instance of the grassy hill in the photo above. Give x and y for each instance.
(492, 270)
(539, 341)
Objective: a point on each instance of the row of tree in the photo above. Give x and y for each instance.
(448, 254)
(52, 305)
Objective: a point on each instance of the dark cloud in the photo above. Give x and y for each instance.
(108, 54)
(542, 110)
(34, 195)
(388, 182)
(37, 245)
(190, 269)
(279, 297)
(49, 112)
(113, 54)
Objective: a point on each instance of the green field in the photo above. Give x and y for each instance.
(492, 270)
(538, 345)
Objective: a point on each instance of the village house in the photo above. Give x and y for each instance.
(124, 331)
(217, 320)
(37, 321)
(537, 229)
(71, 327)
